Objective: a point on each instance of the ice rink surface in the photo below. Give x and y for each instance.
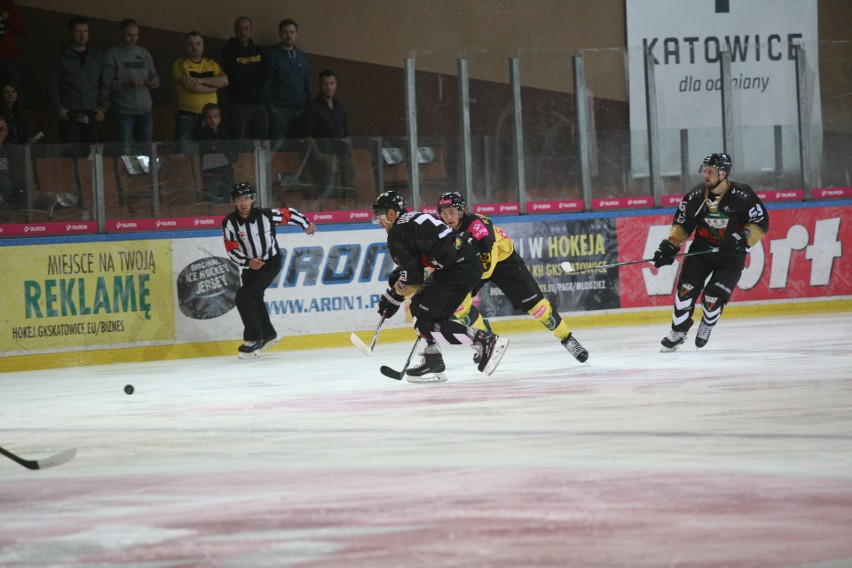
(739, 454)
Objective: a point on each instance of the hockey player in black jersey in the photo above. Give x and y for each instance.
(250, 242)
(416, 242)
(725, 215)
(505, 268)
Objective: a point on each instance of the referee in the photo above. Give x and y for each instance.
(250, 242)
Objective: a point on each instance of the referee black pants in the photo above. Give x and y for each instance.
(249, 300)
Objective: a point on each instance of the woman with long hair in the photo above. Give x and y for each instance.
(16, 122)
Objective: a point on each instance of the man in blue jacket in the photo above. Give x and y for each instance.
(290, 82)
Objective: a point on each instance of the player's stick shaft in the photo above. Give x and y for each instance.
(378, 329)
(566, 266)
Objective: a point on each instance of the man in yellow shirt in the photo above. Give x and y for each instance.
(197, 81)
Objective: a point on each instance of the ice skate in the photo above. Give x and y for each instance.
(490, 349)
(430, 369)
(672, 341)
(272, 341)
(574, 348)
(703, 335)
(250, 349)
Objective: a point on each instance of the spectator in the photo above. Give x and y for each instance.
(11, 30)
(327, 131)
(74, 86)
(197, 81)
(10, 197)
(16, 122)
(290, 83)
(217, 156)
(129, 75)
(13, 181)
(248, 91)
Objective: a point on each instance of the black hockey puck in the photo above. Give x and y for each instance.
(128, 389)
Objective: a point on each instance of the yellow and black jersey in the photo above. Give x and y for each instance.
(492, 242)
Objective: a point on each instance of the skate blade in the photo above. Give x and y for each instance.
(252, 355)
(272, 343)
(436, 378)
(499, 350)
(664, 349)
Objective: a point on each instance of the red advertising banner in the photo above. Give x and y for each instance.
(48, 228)
(162, 224)
(806, 254)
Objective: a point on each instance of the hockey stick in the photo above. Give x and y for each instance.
(397, 376)
(52, 461)
(568, 268)
(361, 346)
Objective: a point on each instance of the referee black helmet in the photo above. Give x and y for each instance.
(242, 189)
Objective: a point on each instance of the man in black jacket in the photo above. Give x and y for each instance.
(247, 68)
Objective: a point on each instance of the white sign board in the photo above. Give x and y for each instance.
(686, 39)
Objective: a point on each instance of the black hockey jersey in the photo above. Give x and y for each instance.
(419, 240)
(738, 209)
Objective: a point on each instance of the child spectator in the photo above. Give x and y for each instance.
(217, 156)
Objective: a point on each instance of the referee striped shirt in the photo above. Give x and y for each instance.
(254, 237)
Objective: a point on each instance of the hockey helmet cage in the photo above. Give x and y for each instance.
(721, 161)
(452, 199)
(242, 189)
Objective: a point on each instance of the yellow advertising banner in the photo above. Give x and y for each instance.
(85, 295)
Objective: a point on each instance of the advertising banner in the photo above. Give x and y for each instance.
(68, 296)
(63, 297)
(806, 254)
(686, 39)
(330, 281)
(544, 246)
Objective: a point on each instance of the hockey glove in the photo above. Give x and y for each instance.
(390, 302)
(734, 244)
(665, 254)
(394, 276)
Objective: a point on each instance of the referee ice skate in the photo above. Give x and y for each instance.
(250, 241)
(725, 215)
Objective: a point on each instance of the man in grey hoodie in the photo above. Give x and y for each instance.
(129, 75)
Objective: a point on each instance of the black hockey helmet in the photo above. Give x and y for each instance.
(721, 161)
(241, 189)
(452, 199)
(385, 201)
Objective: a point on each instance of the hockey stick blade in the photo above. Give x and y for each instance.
(397, 375)
(569, 269)
(360, 345)
(52, 461)
(388, 372)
